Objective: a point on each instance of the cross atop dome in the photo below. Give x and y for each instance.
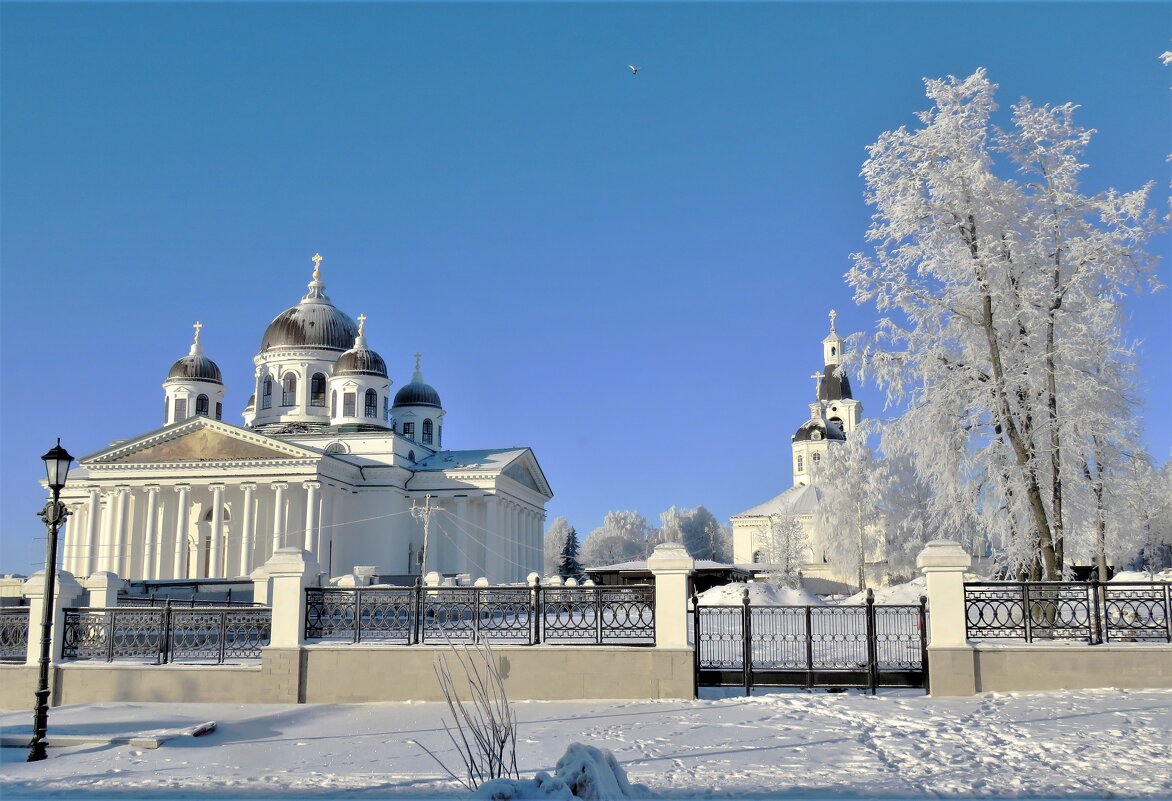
(361, 323)
(198, 327)
(418, 356)
(833, 314)
(316, 266)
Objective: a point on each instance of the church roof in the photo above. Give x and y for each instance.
(834, 384)
(518, 464)
(417, 393)
(313, 323)
(800, 500)
(828, 430)
(195, 368)
(360, 361)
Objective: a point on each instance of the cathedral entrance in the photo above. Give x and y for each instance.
(850, 645)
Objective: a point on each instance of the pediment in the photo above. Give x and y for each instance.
(202, 440)
(522, 475)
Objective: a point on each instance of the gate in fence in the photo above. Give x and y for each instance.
(858, 645)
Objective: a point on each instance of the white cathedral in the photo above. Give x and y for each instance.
(834, 414)
(325, 460)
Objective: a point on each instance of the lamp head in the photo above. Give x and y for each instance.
(57, 462)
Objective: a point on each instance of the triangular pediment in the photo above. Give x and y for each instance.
(199, 440)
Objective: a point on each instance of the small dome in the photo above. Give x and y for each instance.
(195, 367)
(834, 386)
(361, 361)
(828, 430)
(418, 394)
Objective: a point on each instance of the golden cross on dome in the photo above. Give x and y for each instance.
(833, 314)
(198, 325)
(316, 266)
(361, 323)
(817, 382)
(418, 356)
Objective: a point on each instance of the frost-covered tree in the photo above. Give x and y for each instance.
(697, 530)
(1144, 492)
(783, 544)
(623, 536)
(568, 564)
(992, 290)
(555, 540)
(850, 513)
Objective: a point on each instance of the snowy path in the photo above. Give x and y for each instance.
(1090, 744)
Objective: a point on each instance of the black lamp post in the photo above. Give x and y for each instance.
(57, 462)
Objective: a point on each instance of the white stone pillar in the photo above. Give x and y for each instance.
(290, 571)
(183, 512)
(493, 550)
(312, 519)
(66, 593)
(106, 535)
(150, 531)
(671, 565)
(92, 533)
(465, 561)
(73, 534)
(246, 532)
(215, 569)
(330, 503)
(279, 517)
(951, 666)
(104, 589)
(121, 526)
(515, 572)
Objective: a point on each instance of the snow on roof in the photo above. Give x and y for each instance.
(800, 500)
(489, 459)
(641, 564)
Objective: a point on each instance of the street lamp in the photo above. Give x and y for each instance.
(57, 462)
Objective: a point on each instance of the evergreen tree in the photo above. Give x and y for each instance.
(569, 566)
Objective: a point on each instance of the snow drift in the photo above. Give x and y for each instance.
(584, 773)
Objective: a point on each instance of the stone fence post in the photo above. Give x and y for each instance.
(951, 665)
(671, 565)
(68, 592)
(290, 571)
(104, 588)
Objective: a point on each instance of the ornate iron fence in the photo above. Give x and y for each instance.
(518, 615)
(14, 634)
(810, 646)
(166, 634)
(1090, 612)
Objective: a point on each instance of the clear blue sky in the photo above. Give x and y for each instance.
(629, 274)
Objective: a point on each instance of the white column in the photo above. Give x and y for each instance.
(536, 554)
(493, 564)
(214, 567)
(279, 488)
(326, 528)
(106, 534)
(183, 511)
(514, 541)
(92, 532)
(465, 561)
(74, 530)
(121, 524)
(312, 519)
(246, 532)
(150, 529)
(671, 566)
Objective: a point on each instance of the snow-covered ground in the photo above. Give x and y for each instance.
(1087, 744)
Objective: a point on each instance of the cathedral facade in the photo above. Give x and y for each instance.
(326, 459)
(834, 414)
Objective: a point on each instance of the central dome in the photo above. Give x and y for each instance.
(311, 325)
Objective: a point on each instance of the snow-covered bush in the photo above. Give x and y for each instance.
(584, 773)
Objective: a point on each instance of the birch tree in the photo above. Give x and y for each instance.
(783, 544)
(850, 513)
(991, 289)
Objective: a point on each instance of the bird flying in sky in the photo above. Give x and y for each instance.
(634, 70)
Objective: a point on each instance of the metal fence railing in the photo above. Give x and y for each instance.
(1090, 612)
(14, 634)
(517, 615)
(163, 634)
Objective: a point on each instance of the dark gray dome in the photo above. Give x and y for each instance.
(834, 387)
(195, 368)
(418, 394)
(313, 324)
(361, 361)
(829, 430)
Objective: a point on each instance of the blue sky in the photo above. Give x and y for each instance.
(630, 274)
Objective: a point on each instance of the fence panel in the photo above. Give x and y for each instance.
(14, 634)
(165, 634)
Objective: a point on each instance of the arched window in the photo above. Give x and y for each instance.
(180, 409)
(317, 390)
(289, 390)
(815, 458)
(201, 406)
(371, 403)
(219, 411)
(334, 403)
(266, 393)
(427, 432)
(349, 402)
(833, 350)
(409, 432)
(801, 463)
